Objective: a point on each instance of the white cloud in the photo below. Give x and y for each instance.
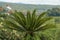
(53, 2)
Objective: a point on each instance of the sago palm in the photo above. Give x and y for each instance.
(30, 25)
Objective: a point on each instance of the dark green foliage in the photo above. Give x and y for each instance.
(53, 12)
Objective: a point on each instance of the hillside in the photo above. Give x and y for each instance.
(24, 7)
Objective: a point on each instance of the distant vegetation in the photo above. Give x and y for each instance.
(54, 12)
(25, 7)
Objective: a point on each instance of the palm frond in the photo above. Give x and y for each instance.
(29, 24)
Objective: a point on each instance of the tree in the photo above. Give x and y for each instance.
(29, 25)
(53, 12)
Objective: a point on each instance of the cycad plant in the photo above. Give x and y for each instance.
(29, 25)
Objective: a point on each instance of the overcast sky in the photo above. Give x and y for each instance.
(50, 2)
